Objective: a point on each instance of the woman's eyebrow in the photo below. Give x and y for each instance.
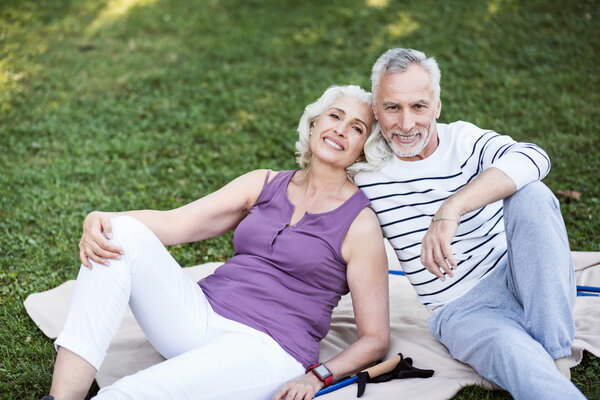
(344, 112)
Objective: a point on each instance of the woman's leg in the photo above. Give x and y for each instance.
(169, 306)
(238, 362)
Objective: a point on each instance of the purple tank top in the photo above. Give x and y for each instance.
(285, 280)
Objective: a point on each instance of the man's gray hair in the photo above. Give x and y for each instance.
(314, 111)
(398, 60)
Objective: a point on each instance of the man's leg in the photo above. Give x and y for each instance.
(483, 329)
(540, 268)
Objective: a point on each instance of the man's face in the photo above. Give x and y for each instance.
(407, 112)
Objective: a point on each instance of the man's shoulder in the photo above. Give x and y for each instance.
(370, 176)
(459, 127)
(460, 133)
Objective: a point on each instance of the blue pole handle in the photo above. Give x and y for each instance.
(336, 386)
(588, 289)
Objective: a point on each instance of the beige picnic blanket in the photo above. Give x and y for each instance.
(130, 351)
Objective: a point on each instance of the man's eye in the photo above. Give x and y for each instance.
(334, 115)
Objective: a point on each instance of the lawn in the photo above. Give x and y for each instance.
(124, 104)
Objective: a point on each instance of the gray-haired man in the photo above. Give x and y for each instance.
(480, 238)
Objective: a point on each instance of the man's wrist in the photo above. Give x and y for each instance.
(450, 208)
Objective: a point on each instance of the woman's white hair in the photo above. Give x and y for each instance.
(398, 60)
(314, 111)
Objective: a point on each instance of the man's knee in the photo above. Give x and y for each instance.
(533, 202)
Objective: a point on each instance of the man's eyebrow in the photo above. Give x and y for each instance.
(394, 103)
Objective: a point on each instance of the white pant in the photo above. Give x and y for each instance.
(208, 356)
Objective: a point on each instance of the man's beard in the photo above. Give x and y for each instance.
(415, 149)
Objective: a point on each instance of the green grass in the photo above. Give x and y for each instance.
(119, 104)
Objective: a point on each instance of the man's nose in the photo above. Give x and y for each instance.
(406, 121)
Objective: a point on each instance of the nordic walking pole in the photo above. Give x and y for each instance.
(376, 370)
(588, 289)
(581, 290)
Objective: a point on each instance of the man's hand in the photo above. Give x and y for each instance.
(436, 250)
(301, 388)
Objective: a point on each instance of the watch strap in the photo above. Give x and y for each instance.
(327, 380)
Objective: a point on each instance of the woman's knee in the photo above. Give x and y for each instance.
(127, 231)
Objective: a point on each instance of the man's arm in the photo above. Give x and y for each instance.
(436, 252)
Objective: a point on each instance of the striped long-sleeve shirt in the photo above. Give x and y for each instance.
(406, 194)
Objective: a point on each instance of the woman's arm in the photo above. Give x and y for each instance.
(367, 274)
(204, 218)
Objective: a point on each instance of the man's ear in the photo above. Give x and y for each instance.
(438, 110)
(374, 108)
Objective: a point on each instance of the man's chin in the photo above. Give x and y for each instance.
(404, 152)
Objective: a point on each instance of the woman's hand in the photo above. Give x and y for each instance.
(301, 388)
(94, 244)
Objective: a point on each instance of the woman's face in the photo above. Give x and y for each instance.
(339, 134)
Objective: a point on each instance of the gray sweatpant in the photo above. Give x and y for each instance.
(512, 325)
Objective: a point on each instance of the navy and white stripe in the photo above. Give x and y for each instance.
(406, 194)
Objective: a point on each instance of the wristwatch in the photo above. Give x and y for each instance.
(321, 371)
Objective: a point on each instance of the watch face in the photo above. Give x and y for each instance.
(322, 371)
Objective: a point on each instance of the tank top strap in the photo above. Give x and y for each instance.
(344, 216)
(273, 187)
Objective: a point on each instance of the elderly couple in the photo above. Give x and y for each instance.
(478, 235)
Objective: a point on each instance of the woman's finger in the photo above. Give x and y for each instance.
(101, 239)
(103, 247)
(281, 392)
(99, 251)
(94, 257)
(84, 260)
(106, 227)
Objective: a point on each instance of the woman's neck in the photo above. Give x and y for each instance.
(319, 177)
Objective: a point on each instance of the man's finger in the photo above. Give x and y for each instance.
(448, 255)
(440, 261)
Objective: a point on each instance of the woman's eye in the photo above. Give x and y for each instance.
(335, 116)
(358, 129)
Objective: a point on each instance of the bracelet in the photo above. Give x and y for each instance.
(453, 219)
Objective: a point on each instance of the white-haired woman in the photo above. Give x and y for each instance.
(251, 330)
